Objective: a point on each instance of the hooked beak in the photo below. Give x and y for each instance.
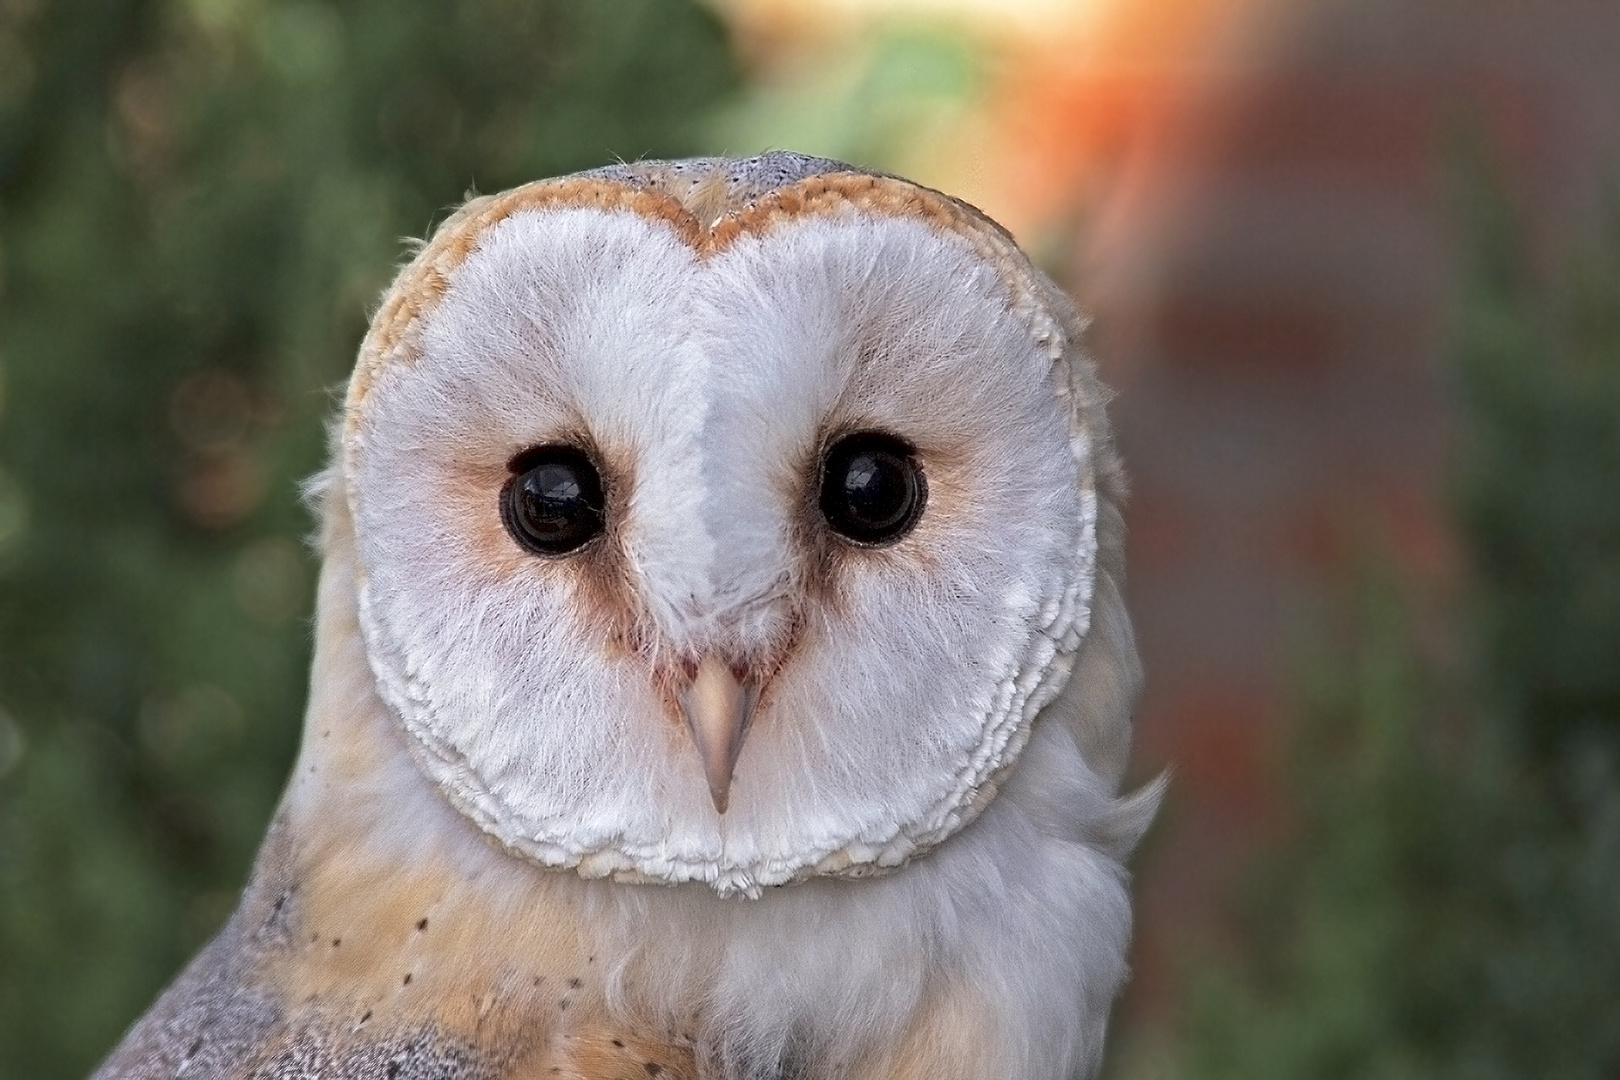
(717, 706)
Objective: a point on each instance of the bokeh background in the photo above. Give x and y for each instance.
(1355, 266)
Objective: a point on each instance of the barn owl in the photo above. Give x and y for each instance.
(720, 662)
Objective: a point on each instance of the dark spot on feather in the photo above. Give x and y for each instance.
(653, 1068)
(366, 1017)
(619, 1043)
(421, 924)
(574, 984)
(196, 1045)
(563, 1004)
(336, 942)
(407, 981)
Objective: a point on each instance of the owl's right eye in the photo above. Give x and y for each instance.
(553, 502)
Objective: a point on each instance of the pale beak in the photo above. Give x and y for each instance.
(717, 706)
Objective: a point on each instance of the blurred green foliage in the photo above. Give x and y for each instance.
(1449, 906)
(875, 103)
(199, 199)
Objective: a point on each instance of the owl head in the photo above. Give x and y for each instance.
(730, 521)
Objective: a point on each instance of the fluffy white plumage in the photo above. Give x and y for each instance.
(712, 382)
(944, 716)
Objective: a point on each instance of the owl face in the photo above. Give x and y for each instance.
(712, 532)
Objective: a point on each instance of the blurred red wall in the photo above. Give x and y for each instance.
(1272, 266)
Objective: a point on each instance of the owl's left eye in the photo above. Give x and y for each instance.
(553, 502)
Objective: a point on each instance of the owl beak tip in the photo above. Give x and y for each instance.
(722, 798)
(717, 706)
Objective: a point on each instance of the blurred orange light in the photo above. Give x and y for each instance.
(1072, 88)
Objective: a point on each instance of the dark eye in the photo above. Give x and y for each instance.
(553, 502)
(872, 489)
